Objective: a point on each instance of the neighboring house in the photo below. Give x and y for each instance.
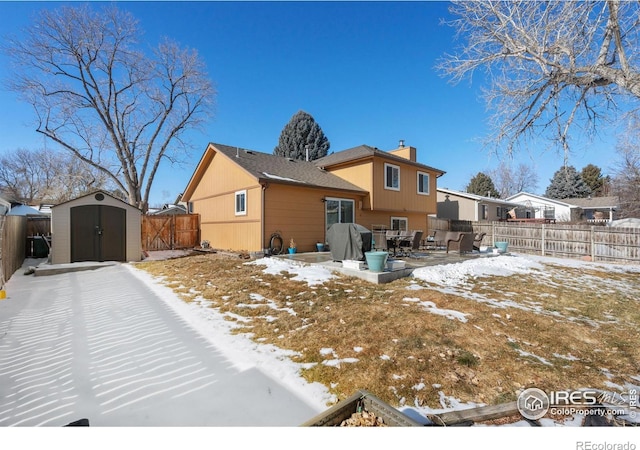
(169, 209)
(24, 210)
(244, 196)
(456, 205)
(594, 208)
(5, 206)
(565, 210)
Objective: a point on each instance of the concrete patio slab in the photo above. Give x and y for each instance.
(419, 259)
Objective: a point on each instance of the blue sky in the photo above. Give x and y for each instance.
(364, 71)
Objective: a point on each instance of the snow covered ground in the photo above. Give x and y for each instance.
(452, 278)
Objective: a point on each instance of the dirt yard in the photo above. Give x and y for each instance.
(482, 340)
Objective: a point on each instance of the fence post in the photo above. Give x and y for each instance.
(544, 232)
(593, 243)
(493, 233)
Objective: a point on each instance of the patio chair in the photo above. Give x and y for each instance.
(460, 241)
(439, 238)
(380, 240)
(477, 240)
(416, 244)
(406, 243)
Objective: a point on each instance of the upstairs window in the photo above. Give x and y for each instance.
(391, 177)
(241, 203)
(423, 183)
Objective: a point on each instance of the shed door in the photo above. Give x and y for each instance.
(98, 233)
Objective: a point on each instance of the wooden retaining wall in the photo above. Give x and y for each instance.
(13, 237)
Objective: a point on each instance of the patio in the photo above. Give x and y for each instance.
(419, 259)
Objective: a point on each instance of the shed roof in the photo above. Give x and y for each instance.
(125, 204)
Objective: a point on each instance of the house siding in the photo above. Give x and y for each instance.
(299, 213)
(454, 207)
(361, 175)
(214, 200)
(412, 202)
(369, 176)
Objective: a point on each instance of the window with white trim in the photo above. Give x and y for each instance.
(391, 177)
(339, 210)
(241, 203)
(399, 223)
(423, 183)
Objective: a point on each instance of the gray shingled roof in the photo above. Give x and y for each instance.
(593, 202)
(277, 169)
(364, 151)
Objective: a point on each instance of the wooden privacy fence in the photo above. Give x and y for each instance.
(13, 236)
(170, 231)
(597, 243)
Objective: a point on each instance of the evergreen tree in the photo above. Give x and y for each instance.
(482, 184)
(592, 176)
(567, 183)
(302, 131)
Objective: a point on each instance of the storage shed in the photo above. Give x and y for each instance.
(95, 227)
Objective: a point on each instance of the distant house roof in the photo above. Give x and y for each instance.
(478, 198)
(45, 208)
(593, 202)
(537, 197)
(24, 210)
(168, 209)
(277, 169)
(366, 151)
(588, 203)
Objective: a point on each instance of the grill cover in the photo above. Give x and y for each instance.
(348, 241)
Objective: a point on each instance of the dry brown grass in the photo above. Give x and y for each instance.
(561, 329)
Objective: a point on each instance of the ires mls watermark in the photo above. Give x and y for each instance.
(534, 403)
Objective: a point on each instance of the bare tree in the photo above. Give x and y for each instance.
(29, 176)
(111, 105)
(625, 183)
(550, 66)
(509, 180)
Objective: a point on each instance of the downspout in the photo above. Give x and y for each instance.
(262, 227)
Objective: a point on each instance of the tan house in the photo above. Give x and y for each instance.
(456, 205)
(245, 196)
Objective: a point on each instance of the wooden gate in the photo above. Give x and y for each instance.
(170, 231)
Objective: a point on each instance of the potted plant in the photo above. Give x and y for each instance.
(292, 246)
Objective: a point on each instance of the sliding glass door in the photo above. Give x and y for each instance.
(338, 210)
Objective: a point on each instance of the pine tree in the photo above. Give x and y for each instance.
(592, 176)
(567, 183)
(482, 184)
(302, 133)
